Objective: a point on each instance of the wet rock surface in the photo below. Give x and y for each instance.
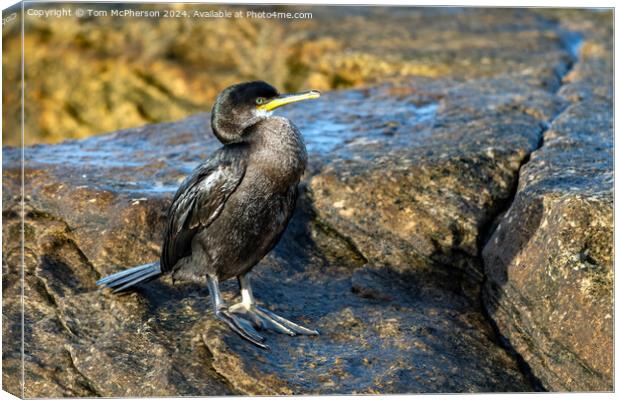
(549, 263)
(383, 256)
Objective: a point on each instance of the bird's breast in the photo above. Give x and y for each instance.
(278, 151)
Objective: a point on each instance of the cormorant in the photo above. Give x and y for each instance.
(233, 208)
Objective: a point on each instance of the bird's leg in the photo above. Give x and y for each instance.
(247, 304)
(261, 317)
(242, 327)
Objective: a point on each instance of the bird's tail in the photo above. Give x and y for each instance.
(126, 279)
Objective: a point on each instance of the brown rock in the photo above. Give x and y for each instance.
(549, 263)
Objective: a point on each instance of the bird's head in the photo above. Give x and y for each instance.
(242, 105)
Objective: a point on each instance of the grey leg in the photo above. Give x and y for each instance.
(263, 318)
(240, 326)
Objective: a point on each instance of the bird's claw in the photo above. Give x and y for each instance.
(262, 318)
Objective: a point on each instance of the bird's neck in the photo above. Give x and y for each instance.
(278, 148)
(230, 130)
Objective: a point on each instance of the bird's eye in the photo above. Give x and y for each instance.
(260, 100)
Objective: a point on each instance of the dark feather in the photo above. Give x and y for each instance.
(200, 200)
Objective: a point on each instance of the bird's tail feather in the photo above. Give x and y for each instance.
(130, 277)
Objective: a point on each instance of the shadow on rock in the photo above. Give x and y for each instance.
(513, 233)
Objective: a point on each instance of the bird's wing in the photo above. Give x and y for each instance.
(200, 200)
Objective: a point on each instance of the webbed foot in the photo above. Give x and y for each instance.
(241, 327)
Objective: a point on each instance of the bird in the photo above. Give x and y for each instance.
(232, 210)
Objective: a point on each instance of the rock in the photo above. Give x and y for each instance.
(81, 342)
(549, 263)
(424, 196)
(104, 200)
(383, 255)
(367, 343)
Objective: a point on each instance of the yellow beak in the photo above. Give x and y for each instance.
(285, 99)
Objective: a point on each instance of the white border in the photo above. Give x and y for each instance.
(475, 3)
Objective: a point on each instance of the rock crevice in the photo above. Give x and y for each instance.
(572, 42)
(566, 186)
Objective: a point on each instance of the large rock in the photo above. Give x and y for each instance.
(96, 206)
(549, 263)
